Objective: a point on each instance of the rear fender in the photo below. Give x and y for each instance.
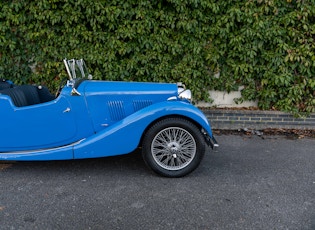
(124, 136)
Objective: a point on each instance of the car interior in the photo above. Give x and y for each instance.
(25, 95)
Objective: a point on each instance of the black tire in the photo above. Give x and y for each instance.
(173, 147)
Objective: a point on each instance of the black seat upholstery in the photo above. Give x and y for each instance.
(30, 93)
(17, 96)
(25, 95)
(44, 94)
(4, 84)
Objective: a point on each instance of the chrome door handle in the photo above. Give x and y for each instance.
(67, 110)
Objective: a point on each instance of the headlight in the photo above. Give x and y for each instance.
(186, 94)
(183, 93)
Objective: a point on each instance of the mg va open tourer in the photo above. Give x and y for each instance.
(90, 119)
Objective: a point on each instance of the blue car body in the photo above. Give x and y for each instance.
(89, 119)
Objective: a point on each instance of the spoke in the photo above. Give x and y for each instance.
(173, 148)
(176, 135)
(166, 159)
(184, 156)
(183, 159)
(161, 138)
(168, 135)
(184, 138)
(188, 143)
(188, 148)
(158, 151)
(160, 145)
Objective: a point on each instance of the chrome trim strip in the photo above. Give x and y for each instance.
(75, 92)
(174, 98)
(41, 150)
(68, 70)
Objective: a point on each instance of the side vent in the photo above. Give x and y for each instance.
(137, 105)
(116, 110)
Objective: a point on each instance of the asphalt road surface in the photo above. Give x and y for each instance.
(251, 183)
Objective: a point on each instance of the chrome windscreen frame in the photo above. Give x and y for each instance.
(77, 72)
(76, 69)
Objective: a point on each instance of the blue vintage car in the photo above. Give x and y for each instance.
(89, 119)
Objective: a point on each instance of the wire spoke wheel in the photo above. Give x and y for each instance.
(173, 147)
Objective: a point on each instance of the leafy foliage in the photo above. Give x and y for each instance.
(265, 45)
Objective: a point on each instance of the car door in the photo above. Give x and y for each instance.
(41, 126)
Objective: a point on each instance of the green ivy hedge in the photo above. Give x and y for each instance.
(267, 46)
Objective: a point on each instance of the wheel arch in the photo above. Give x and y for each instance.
(198, 125)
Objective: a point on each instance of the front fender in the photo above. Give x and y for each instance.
(124, 136)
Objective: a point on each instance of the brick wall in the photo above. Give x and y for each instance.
(256, 119)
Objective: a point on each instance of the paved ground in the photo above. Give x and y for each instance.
(251, 183)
